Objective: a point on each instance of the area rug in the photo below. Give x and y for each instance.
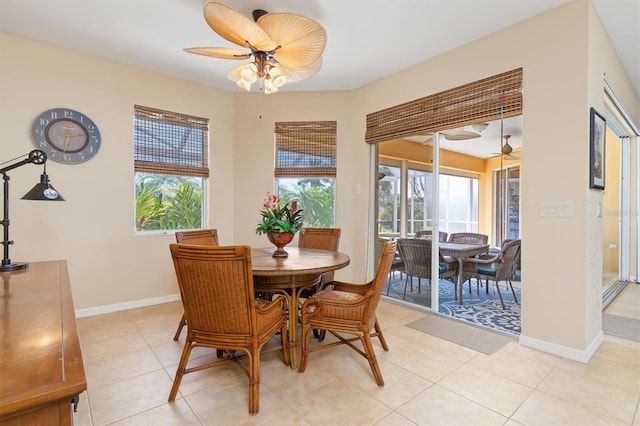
(466, 335)
(478, 308)
(626, 328)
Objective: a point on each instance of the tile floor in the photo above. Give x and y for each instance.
(130, 359)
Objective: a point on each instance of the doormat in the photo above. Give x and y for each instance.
(626, 328)
(454, 331)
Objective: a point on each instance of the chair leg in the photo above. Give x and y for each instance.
(406, 281)
(254, 381)
(182, 365)
(183, 322)
(500, 295)
(513, 291)
(304, 346)
(371, 357)
(383, 342)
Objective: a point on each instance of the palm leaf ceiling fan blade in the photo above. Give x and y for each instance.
(237, 28)
(219, 52)
(300, 41)
(297, 74)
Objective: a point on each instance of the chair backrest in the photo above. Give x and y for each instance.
(468, 238)
(379, 281)
(216, 285)
(416, 256)
(207, 237)
(509, 255)
(427, 234)
(320, 238)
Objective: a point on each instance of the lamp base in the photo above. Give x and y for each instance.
(14, 266)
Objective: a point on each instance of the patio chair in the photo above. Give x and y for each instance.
(416, 256)
(427, 234)
(345, 308)
(499, 267)
(216, 285)
(207, 237)
(471, 270)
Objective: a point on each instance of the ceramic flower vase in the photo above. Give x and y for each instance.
(280, 240)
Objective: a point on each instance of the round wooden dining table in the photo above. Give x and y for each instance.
(291, 275)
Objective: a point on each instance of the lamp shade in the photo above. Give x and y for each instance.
(43, 191)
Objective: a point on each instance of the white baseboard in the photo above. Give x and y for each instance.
(98, 310)
(563, 351)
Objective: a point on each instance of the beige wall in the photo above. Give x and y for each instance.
(93, 229)
(563, 69)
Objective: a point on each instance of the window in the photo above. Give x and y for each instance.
(305, 168)
(171, 164)
(389, 182)
(459, 202)
(507, 198)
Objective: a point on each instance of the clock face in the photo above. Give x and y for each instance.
(67, 136)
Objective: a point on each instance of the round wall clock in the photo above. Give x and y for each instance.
(67, 136)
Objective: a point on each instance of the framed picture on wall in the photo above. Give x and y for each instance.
(596, 145)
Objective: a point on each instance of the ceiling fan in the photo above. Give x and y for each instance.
(284, 47)
(507, 150)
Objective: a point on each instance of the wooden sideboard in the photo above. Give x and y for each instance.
(41, 369)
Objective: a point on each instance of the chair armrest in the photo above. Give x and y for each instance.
(361, 289)
(483, 259)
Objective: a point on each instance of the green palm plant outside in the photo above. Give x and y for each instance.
(317, 199)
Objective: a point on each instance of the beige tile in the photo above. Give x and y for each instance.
(100, 327)
(130, 341)
(591, 394)
(433, 366)
(109, 368)
(545, 410)
(625, 352)
(606, 371)
(395, 419)
(177, 413)
(223, 376)
(82, 417)
(494, 392)
(129, 397)
(229, 405)
(281, 415)
(439, 406)
(399, 387)
(513, 366)
(338, 403)
(627, 303)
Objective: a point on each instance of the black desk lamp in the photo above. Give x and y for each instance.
(42, 191)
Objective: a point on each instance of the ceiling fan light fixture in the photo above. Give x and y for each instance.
(249, 73)
(285, 47)
(479, 127)
(244, 84)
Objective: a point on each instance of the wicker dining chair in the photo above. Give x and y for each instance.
(346, 308)
(324, 239)
(469, 270)
(216, 285)
(416, 257)
(207, 237)
(499, 267)
(427, 234)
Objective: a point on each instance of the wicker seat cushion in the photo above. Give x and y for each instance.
(332, 294)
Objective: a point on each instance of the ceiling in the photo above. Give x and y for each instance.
(151, 34)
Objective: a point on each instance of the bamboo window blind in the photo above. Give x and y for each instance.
(170, 143)
(471, 103)
(305, 149)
